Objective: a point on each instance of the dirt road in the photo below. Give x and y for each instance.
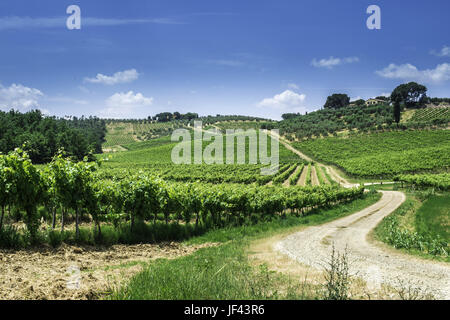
(369, 261)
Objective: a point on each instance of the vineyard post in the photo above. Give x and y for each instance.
(1, 219)
(54, 217)
(63, 211)
(77, 228)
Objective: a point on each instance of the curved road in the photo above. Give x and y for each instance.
(368, 261)
(373, 264)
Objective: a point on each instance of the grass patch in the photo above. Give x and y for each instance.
(420, 226)
(225, 272)
(433, 217)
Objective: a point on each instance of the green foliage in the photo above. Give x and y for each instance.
(397, 112)
(44, 136)
(384, 154)
(155, 156)
(227, 265)
(308, 175)
(432, 217)
(337, 277)
(191, 277)
(281, 178)
(411, 94)
(331, 121)
(10, 238)
(129, 132)
(438, 181)
(143, 197)
(405, 239)
(319, 172)
(419, 225)
(294, 179)
(25, 188)
(72, 183)
(337, 101)
(434, 115)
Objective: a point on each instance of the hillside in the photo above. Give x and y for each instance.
(384, 154)
(122, 132)
(334, 122)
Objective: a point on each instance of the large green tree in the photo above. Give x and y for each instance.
(337, 101)
(410, 94)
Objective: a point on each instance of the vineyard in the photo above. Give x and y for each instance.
(435, 114)
(384, 154)
(155, 156)
(122, 133)
(244, 125)
(66, 189)
(438, 181)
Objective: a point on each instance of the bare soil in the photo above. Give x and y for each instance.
(288, 180)
(71, 272)
(302, 180)
(314, 179)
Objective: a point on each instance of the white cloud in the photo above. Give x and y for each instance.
(332, 62)
(118, 77)
(293, 86)
(19, 97)
(124, 105)
(445, 52)
(409, 72)
(285, 101)
(14, 22)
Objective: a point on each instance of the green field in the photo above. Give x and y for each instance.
(384, 154)
(234, 276)
(433, 217)
(420, 226)
(122, 133)
(155, 156)
(244, 125)
(431, 114)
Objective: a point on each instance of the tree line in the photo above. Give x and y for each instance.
(43, 136)
(339, 113)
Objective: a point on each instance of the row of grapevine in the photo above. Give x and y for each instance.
(384, 154)
(439, 181)
(431, 114)
(75, 187)
(320, 177)
(294, 179)
(285, 175)
(308, 176)
(245, 174)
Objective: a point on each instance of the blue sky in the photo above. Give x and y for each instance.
(136, 58)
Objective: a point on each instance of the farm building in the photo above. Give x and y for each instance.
(372, 102)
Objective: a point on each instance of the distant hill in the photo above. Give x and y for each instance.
(328, 122)
(122, 132)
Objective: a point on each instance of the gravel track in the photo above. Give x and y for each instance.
(368, 261)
